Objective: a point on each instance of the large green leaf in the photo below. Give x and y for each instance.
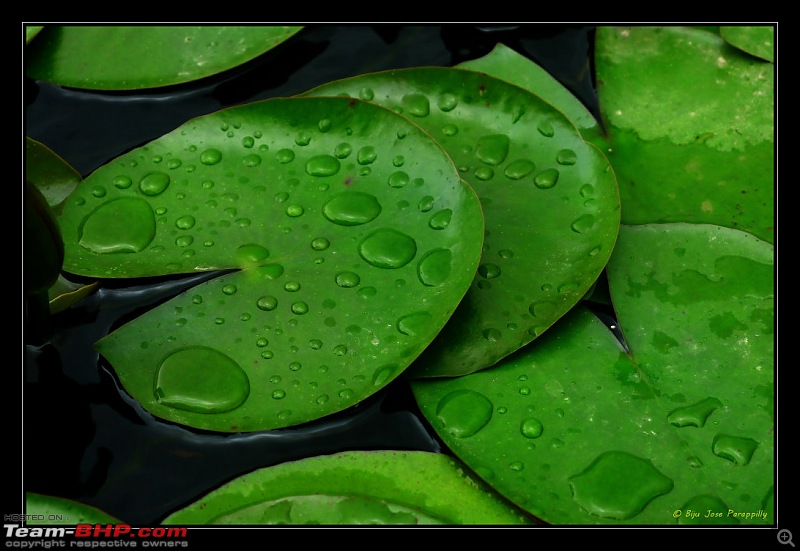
(357, 240)
(576, 430)
(44, 509)
(378, 487)
(98, 57)
(550, 203)
(691, 127)
(755, 40)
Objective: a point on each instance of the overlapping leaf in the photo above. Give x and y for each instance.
(550, 203)
(120, 57)
(390, 487)
(355, 235)
(577, 431)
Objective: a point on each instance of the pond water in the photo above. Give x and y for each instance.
(84, 438)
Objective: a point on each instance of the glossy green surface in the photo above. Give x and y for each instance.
(376, 488)
(549, 199)
(576, 430)
(355, 237)
(53, 510)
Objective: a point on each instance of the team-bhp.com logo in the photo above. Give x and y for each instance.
(93, 535)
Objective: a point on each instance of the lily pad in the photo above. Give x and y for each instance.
(377, 487)
(576, 430)
(549, 198)
(98, 57)
(690, 125)
(356, 240)
(755, 40)
(54, 510)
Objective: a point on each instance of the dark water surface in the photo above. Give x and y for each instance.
(84, 438)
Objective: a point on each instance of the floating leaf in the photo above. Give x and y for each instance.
(44, 509)
(549, 198)
(378, 487)
(755, 40)
(98, 57)
(344, 279)
(691, 127)
(576, 431)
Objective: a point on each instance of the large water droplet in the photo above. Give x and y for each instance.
(388, 248)
(448, 102)
(367, 155)
(441, 219)
(154, 184)
(696, 511)
(694, 415)
(398, 179)
(583, 224)
(434, 268)
(343, 150)
(102, 233)
(492, 149)
(566, 157)
(211, 156)
(531, 428)
(352, 208)
(414, 324)
(201, 380)
(464, 412)
(284, 156)
(518, 169)
(267, 303)
(322, 165)
(251, 254)
(416, 104)
(737, 449)
(618, 485)
(489, 270)
(347, 279)
(546, 178)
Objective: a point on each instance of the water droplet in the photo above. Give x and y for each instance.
(398, 179)
(531, 428)
(347, 279)
(322, 399)
(702, 504)
(154, 183)
(518, 169)
(346, 394)
(302, 139)
(270, 271)
(489, 270)
(546, 129)
(546, 178)
(229, 289)
(325, 125)
(484, 173)
(322, 165)
(102, 233)
(449, 130)
(367, 292)
(340, 350)
(292, 286)
(383, 375)
(201, 380)
(492, 149)
(351, 208)
(737, 449)
(267, 303)
(425, 204)
(388, 248)
(583, 223)
(694, 415)
(284, 156)
(248, 142)
(267, 354)
(566, 157)
(184, 240)
(251, 254)
(505, 253)
(434, 268)
(618, 485)
(343, 150)
(491, 334)
(416, 104)
(447, 102)
(294, 211)
(279, 394)
(441, 219)
(122, 182)
(367, 155)
(99, 191)
(185, 222)
(414, 324)
(366, 94)
(254, 159)
(542, 308)
(516, 466)
(300, 308)
(211, 156)
(464, 412)
(262, 342)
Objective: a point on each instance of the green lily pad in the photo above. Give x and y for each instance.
(691, 127)
(31, 31)
(377, 487)
(51, 175)
(54, 510)
(355, 236)
(98, 57)
(549, 198)
(505, 63)
(755, 40)
(576, 430)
